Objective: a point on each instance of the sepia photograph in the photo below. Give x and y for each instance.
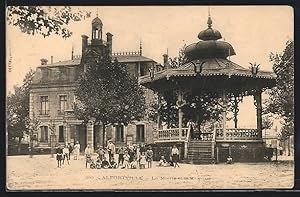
(105, 98)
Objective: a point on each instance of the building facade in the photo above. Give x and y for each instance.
(52, 96)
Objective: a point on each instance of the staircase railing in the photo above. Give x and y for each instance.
(213, 143)
(188, 135)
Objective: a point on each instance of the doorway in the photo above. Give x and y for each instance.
(78, 133)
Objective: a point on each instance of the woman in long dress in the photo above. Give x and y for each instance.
(76, 150)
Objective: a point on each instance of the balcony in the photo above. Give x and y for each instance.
(172, 134)
(218, 135)
(236, 134)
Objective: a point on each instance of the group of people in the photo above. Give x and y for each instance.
(173, 161)
(133, 156)
(64, 153)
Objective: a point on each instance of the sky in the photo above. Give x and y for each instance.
(253, 31)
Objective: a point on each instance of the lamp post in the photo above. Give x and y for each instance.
(31, 144)
(52, 137)
(65, 130)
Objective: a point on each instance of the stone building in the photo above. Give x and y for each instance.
(52, 96)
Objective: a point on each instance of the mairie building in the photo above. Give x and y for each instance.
(52, 96)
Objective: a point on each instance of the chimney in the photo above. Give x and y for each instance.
(166, 62)
(109, 43)
(84, 42)
(44, 61)
(51, 59)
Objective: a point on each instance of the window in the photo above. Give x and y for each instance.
(62, 103)
(61, 134)
(120, 133)
(142, 70)
(44, 134)
(44, 105)
(140, 133)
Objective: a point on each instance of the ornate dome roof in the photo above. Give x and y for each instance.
(209, 46)
(209, 33)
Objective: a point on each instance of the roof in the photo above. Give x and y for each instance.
(211, 67)
(132, 58)
(120, 58)
(73, 62)
(97, 20)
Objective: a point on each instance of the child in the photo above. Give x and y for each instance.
(98, 162)
(131, 154)
(100, 153)
(229, 160)
(59, 156)
(66, 154)
(126, 160)
(143, 161)
(171, 161)
(162, 161)
(149, 157)
(105, 163)
(133, 164)
(113, 164)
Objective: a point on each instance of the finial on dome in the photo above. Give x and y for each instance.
(209, 21)
(97, 12)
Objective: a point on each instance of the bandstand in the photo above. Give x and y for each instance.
(209, 71)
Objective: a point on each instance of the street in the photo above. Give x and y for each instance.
(41, 173)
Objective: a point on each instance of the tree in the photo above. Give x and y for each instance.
(198, 107)
(32, 125)
(202, 107)
(108, 94)
(180, 60)
(18, 109)
(281, 100)
(233, 106)
(44, 20)
(168, 110)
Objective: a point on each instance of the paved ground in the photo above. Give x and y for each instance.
(41, 172)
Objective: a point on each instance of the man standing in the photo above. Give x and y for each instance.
(175, 156)
(143, 149)
(70, 147)
(111, 149)
(121, 153)
(88, 154)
